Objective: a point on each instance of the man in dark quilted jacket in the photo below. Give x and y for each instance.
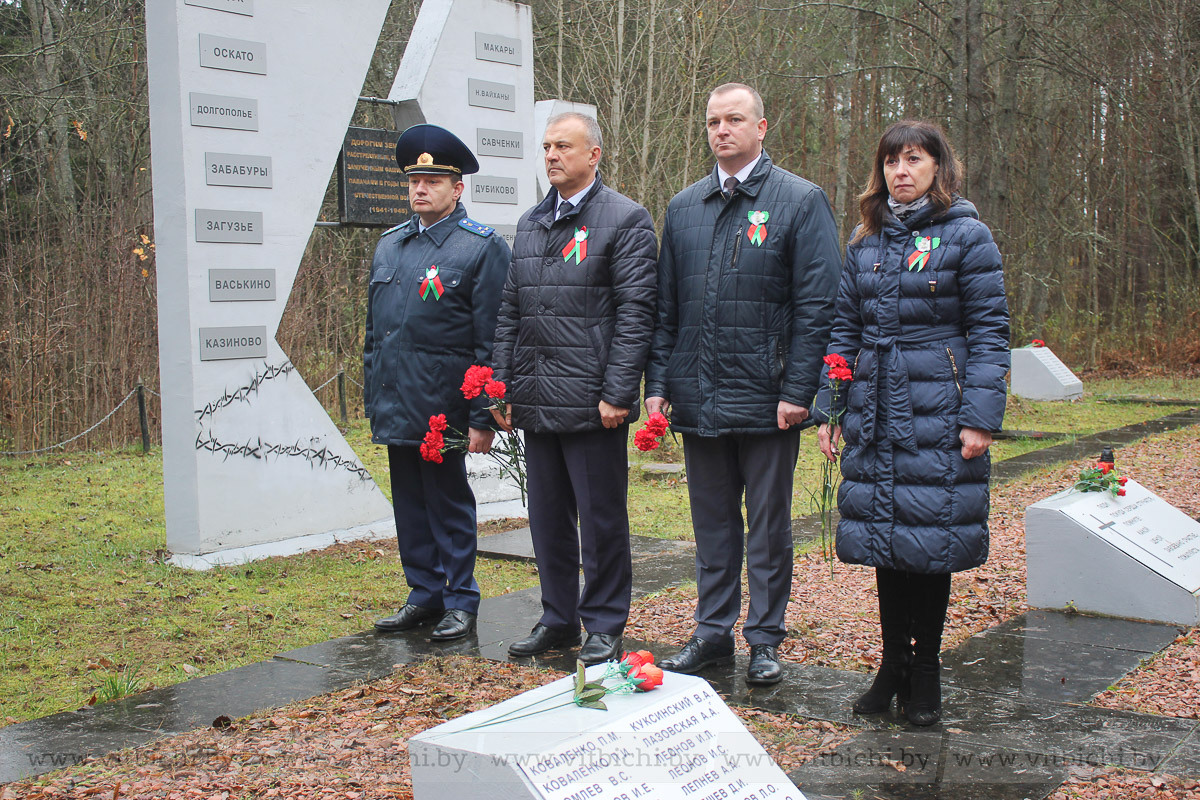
(576, 317)
(747, 275)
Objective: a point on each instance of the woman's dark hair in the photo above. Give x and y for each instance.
(872, 203)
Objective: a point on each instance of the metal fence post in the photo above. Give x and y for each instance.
(342, 394)
(142, 420)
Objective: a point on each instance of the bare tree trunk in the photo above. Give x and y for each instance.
(648, 108)
(44, 18)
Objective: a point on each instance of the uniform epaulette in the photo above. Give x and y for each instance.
(396, 228)
(477, 228)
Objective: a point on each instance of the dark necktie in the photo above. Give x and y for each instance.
(563, 207)
(730, 184)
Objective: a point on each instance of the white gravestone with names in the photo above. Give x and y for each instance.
(1038, 374)
(249, 103)
(1134, 556)
(677, 742)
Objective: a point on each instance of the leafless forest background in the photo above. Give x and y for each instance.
(1078, 122)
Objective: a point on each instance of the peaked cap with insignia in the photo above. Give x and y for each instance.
(433, 150)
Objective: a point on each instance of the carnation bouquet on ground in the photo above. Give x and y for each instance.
(507, 450)
(1102, 478)
(838, 374)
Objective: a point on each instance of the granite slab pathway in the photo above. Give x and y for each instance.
(1015, 713)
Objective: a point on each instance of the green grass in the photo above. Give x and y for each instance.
(88, 602)
(83, 583)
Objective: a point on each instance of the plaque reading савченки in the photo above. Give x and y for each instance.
(234, 227)
(372, 189)
(237, 55)
(485, 94)
(243, 7)
(235, 285)
(506, 144)
(504, 49)
(219, 111)
(219, 344)
(235, 169)
(493, 189)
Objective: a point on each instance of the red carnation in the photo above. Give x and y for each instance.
(435, 439)
(495, 389)
(1121, 481)
(437, 422)
(1038, 343)
(1120, 492)
(1105, 467)
(645, 440)
(431, 453)
(657, 424)
(652, 677)
(474, 381)
(840, 374)
(835, 360)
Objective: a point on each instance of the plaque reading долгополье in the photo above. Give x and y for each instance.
(678, 742)
(372, 189)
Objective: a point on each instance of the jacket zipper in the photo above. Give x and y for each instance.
(954, 366)
(737, 248)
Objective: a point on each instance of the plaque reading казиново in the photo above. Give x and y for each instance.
(237, 55)
(235, 169)
(372, 189)
(486, 94)
(219, 344)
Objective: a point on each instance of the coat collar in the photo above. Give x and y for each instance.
(543, 212)
(749, 187)
(439, 232)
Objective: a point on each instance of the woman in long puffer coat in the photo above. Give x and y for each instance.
(923, 322)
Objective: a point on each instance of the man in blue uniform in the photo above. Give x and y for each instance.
(431, 313)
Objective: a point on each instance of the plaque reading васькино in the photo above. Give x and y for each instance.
(239, 285)
(372, 189)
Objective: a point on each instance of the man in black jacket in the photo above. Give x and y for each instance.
(431, 313)
(576, 317)
(746, 280)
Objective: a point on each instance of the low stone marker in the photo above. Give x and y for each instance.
(1038, 374)
(677, 741)
(1135, 556)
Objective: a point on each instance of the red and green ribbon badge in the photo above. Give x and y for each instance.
(920, 257)
(431, 285)
(757, 232)
(577, 246)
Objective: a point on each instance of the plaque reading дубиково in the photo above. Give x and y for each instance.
(493, 189)
(372, 189)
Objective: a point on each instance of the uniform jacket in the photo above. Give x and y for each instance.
(416, 350)
(929, 349)
(571, 335)
(743, 313)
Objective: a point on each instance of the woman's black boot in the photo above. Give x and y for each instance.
(892, 680)
(930, 598)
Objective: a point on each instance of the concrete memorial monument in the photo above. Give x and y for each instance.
(1038, 374)
(1134, 556)
(678, 741)
(249, 104)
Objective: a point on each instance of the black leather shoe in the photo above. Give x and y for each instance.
(696, 655)
(600, 647)
(407, 618)
(544, 638)
(455, 624)
(764, 669)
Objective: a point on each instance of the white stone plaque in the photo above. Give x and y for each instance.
(486, 94)
(493, 189)
(243, 7)
(1135, 556)
(235, 169)
(219, 111)
(1145, 527)
(506, 144)
(1038, 374)
(678, 742)
(239, 227)
(219, 344)
(492, 47)
(232, 285)
(236, 55)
